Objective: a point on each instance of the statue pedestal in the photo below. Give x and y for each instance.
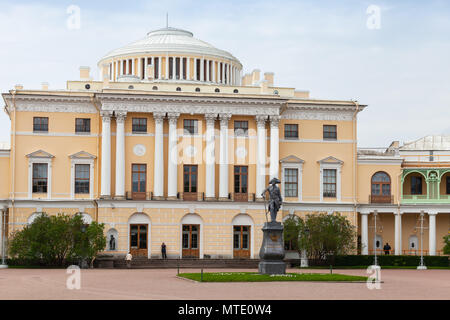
(272, 249)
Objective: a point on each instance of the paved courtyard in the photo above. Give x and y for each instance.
(163, 284)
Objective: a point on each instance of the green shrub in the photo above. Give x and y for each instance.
(390, 260)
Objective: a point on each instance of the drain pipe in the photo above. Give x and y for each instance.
(13, 186)
(355, 153)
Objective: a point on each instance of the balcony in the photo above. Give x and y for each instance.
(381, 199)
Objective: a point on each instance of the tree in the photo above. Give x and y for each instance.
(57, 240)
(291, 230)
(447, 244)
(322, 235)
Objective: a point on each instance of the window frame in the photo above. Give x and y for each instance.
(288, 183)
(40, 124)
(33, 179)
(326, 194)
(135, 126)
(87, 128)
(194, 126)
(413, 192)
(190, 173)
(291, 137)
(141, 173)
(239, 130)
(88, 179)
(240, 174)
(327, 133)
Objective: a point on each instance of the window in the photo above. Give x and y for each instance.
(40, 124)
(82, 178)
(82, 125)
(381, 184)
(190, 126)
(139, 125)
(291, 131)
(178, 89)
(291, 182)
(447, 185)
(190, 178)
(197, 89)
(329, 132)
(240, 179)
(241, 237)
(139, 177)
(40, 175)
(241, 128)
(217, 90)
(329, 183)
(416, 185)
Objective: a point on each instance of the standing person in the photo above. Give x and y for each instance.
(128, 259)
(163, 251)
(387, 248)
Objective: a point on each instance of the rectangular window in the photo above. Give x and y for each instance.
(139, 125)
(40, 124)
(82, 178)
(241, 128)
(291, 131)
(329, 132)
(40, 175)
(416, 185)
(448, 185)
(190, 178)
(329, 183)
(291, 182)
(82, 125)
(190, 126)
(139, 177)
(240, 179)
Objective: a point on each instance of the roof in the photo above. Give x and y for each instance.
(169, 40)
(432, 142)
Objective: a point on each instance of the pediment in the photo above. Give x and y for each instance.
(292, 159)
(40, 154)
(82, 155)
(330, 160)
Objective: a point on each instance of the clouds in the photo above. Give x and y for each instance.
(401, 70)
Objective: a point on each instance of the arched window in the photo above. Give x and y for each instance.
(178, 89)
(235, 91)
(197, 89)
(381, 187)
(155, 88)
(217, 90)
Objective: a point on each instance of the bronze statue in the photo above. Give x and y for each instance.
(112, 243)
(275, 199)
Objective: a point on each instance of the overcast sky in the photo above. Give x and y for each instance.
(401, 70)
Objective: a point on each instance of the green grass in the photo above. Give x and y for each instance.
(256, 277)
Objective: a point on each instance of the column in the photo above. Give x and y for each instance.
(432, 233)
(158, 184)
(174, 67)
(188, 68)
(139, 66)
(364, 233)
(106, 155)
(274, 146)
(232, 75)
(120, 155)
(181, 68)
(172, 172)
(159, 67)
(398, 233)
(132, 67)
(167, 67)
(207, 71)
(223, 173)
(260, 155)
(210, 157)
(214, 72)
(119, 68)
(202, 68)
(145, 68)
(195, 69)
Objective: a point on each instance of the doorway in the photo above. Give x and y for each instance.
(241, 242)
(139, 240)
(190, 241)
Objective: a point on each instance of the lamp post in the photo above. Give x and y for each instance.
(3, 229)
(375, 214)
(304, 257)
(422, 265)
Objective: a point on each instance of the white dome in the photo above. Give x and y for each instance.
(170, 40)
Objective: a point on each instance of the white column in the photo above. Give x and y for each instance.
(181, 68)
(172, 172)
(159, 67)
(119, 68)
(139, 67)
(120, 155)
(207, 71)
(214, 71)
(106, 155)
(398, 233)
(195, 69)
(210, 156)
(432, 233)
(232, 75)
(188, 68)
(223, 173)
(202, 68)
(158, 184)
(274, 147)
(145, 68)
(167, 66)
(260, 155)
(132, 67)
(364, 233)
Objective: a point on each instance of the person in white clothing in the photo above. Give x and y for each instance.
(128, 258)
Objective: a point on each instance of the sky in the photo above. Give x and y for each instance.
(393, 56)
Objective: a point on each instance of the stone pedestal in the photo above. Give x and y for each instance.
(272, 249)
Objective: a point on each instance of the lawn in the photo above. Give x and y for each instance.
(256, 277)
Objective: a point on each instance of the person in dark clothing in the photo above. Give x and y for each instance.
(163, 251)
(387, 248)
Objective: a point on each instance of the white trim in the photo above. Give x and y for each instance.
(73, 162)
(192, 218)
(292, 165)
(317, 141)
(243, 219)
(140, 218)
(338, 168)
(56, 134)
(48, 161)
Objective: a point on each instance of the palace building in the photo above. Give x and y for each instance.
(176, 144)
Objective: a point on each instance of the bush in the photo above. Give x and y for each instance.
(56, 241)
(447, 244)
(386, 260)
